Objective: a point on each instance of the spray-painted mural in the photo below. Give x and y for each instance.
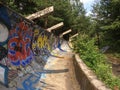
(20, 43)
(41, 43)
(15, 40)
(16, 35)
(19, 51)
(44, 42)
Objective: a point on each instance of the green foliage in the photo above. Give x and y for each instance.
(88, 51)
(104, 73)
(95, 60)
(72, 14)
(107, 16)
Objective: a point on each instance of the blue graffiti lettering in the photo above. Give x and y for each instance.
(30, 81)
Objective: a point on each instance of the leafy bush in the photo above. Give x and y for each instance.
(95, 60)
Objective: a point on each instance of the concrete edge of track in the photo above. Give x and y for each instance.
(86, 77)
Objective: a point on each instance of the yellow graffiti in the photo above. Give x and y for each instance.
(43, 42)
(36, 32)
(40, 42)
(34, 45)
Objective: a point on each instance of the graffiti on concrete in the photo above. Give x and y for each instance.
(3, 34)
(60, 41)
(4, 17)
(40, 43)
(57, 43)
(53, 42)
(19, 51)
(20, 43)
(4, 75)
(30, 82)
(19, 39)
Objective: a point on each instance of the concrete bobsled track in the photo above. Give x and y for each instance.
(57, 74)
(32, 58)
(26, 50)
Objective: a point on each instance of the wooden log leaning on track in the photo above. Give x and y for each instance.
(41, 13)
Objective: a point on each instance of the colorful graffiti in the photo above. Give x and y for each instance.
(19, 40)
(15, 40)
(20, 43)
(44, 42)
(29, 82)
(19, 52)
(40, 43)
(60, 41)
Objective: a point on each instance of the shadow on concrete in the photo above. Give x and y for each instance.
(47, 86)
(54, 71)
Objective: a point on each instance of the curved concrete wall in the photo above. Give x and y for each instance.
(22, 45)
(86, 78)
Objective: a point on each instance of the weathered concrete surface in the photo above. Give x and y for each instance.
(60, 73)
(62, 76)
(86, 78)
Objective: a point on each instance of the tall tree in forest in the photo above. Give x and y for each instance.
(80, 22)
(72, 14)
(108, 20)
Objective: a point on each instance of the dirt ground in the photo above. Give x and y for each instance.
(115, 62)
(62, 75)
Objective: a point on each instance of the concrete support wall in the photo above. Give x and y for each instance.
(86, 78)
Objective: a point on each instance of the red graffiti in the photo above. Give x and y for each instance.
(19, 51)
